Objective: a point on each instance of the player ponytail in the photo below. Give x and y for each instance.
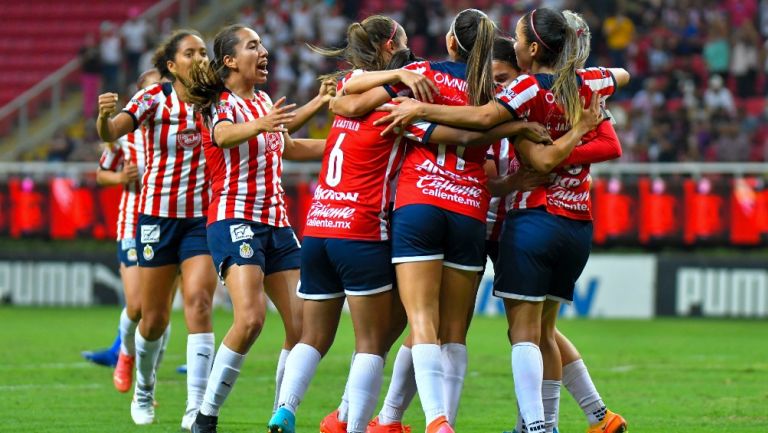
(563, 38)
(366, 43)
(207, 78)
(166, 51)
(474, 33)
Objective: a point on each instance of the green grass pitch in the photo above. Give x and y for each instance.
(685, 375)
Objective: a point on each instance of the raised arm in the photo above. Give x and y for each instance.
(422, 87)
(306, 111)
(111, 128)
(620, 75)
(359, 105)
(227, 134)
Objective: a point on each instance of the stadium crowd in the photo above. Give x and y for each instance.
(698, 66)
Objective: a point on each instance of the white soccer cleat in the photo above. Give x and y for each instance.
(142, 407)
(188, 419)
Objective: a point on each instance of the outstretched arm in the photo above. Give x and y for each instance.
(306, 111)
(359, 105)
(469, 117)
(303, 149)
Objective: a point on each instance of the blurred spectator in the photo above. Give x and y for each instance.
(744, 60)
(619, 31)
(134, 32)
(111, 56)
(90, 75)
(718, 97)
(716, 49)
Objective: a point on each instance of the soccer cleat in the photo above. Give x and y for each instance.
(396, 427)
(332, 424)
(282, 421)
(182, 369)
(612, 423)
(554, 430)
(142, 406)
(189, 418)
(105, 357)
(440, 425)
(122, 377)
(204, 424)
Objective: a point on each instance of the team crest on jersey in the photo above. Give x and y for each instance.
(274, 141)
(246, 251)
(240, 232)
(223, 107)
(189, 138)
(132, 255)
(150, 234)
(148, 253)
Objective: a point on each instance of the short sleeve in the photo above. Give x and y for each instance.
(519, 96)
(419, 131)
(111, 157)
(144, 104)
(224, 109)
(600, 80)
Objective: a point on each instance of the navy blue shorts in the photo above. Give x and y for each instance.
(126, 252)
(169, 241)
(243, 242)
(422, 232)
(492, 252)
(332, 268)
(541, 256)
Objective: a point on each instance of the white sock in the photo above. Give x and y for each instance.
(454, 359)
(579, 384)
(279, 376)
(146, 358)
(164, 345)
(401, 390)
(364, 384)
(300, 368)
(550, 397)
(127, 330)
(428, 369)
(344, 405)
(519, 423)
(226, 369)
(200, 354)
(528, 372)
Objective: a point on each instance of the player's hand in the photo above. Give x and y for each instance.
(107, 104)
(403, 113)
(277, 117)
(525, 180)
(130, 173)
(536, 132)
(591, 115)
(422, 87)
(327, 90)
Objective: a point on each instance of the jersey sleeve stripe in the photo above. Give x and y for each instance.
(133, 117)
(390, 90)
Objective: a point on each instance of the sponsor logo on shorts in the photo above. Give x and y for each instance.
(148, 253)
(246, 251)
(128, 243)
(240, 232)
(150, 234)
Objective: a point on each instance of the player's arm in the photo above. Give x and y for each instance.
(306, 111)
(227, 134)
(462, 137)
(469, 117)
(128, 174)
(522, 180)
(359, 104)
(422, 87)
(605, 146)
(109, 127)
(544, 158)
(620, 75)
(303, 149)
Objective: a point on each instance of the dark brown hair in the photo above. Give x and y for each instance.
(166, 51)
(475, 32)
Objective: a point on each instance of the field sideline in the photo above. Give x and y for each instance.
(686, 375)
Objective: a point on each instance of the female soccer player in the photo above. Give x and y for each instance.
(553, 50)
(250, 237)
(171, 226)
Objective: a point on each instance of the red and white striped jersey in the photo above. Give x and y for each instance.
(529, 97)
(502, 153)
(355, 183)
(449, 177)
(245, 179)
(174, 184)
(128, 148)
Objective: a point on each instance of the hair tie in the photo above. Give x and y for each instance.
(394, 30)
(453, 25)
(579, 32)
(536, 34)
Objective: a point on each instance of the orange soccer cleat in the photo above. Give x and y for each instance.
(123, 375)
(395, 427)
(332, 424)
(612, 423)
(439, 425)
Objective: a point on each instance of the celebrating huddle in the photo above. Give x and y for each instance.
(491, 159)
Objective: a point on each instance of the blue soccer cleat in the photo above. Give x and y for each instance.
(105, 357)
(283, 421)
(182, 369)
